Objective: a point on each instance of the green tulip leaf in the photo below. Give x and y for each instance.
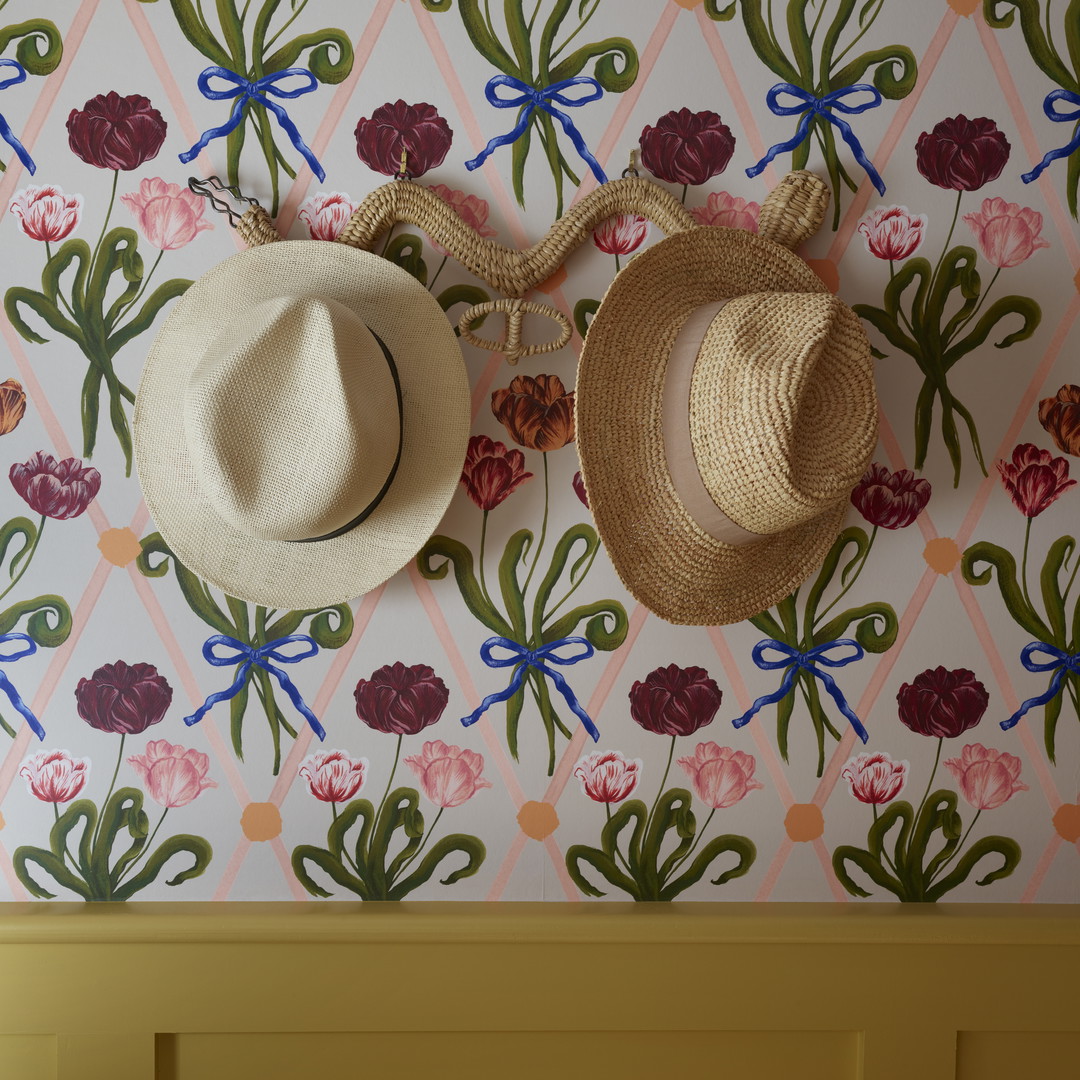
(44, 308)
(358, 810)
(195, 846)
(54, 866)
(472, 847)
(41, 46)
(895, 75)
(890, 329)
(519, 155)
(168, 290)
(21, 527)
(785, 708)
(71, 250)
(514, 705)
(584, 310)
(513, 596)
(616, 67)
(583, 534)
(407, 251)
(876, 627)
(454, 553)
(768, 625)
(122, 811)
(870, 866)
(604, 865)
(197, 32)
(195, 591)
(49, 622)
(330, 55)
(80, 811)
(606, 624)
(742, 846)
(632, 810)
(517, 30)
(332, 866)
(998, 558)
(1008, 849)
(464, 294)
(762, 39)
(718, 14)
(1028, 310)
(1061, 551)
(853, 536)
(1042, 51)
(898, 811)
(673, 810)
(400, 810)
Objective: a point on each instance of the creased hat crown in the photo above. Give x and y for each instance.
(292, 418)
(782, 415)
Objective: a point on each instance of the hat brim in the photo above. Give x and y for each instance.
(664, 558)
(436, 414)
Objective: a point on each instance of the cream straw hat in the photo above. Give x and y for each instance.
(725, 410)
(301, 423)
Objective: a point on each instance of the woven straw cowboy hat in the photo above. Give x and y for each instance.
(725, 410)
(301, 423)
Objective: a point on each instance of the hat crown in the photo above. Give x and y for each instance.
(292, 418)
(782, 415)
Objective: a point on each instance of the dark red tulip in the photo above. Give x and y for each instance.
(537, 413)
(1060, 416)
(942, 703)
(419, 130)
(114, 132)
(674, 700)
(124, 699)
(400, 700)
(687, 147)
(57, 489)
(579, 490)
(491, 472)
(890, 500)
(962, 154)
(1034, 478)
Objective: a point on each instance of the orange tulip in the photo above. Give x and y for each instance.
(1060, 416)
(537, 413)
(12, 405)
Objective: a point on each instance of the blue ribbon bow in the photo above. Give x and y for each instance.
(524, 659)
(266, 656)
(795, 661)
(1059, 118)
(1060, 662)
(546, 98)
(245, 90)
(810, 107)
(10, 137)
(9, 689)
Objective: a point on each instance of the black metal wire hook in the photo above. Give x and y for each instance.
(206, 189)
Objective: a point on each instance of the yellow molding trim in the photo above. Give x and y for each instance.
(614, 923)
(477, 991)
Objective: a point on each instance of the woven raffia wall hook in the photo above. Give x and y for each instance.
(515, 310)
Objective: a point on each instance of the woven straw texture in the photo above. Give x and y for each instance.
(782, 408)
(435, 397)
(662, 555)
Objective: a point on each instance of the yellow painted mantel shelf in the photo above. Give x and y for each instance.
(442, 990)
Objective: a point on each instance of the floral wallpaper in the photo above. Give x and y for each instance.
(500, 720)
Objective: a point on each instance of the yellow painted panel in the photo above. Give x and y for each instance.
(1006, 1055)
(28, 1057)
(524, 1055)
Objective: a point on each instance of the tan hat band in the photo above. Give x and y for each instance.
(381, 493)
(678, 446)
